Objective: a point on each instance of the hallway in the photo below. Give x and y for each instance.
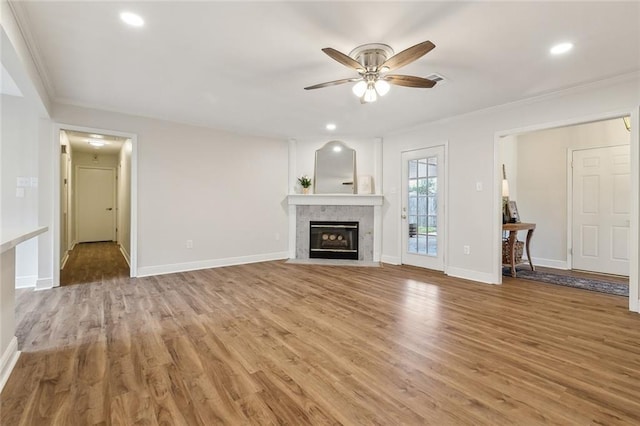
(94, 262)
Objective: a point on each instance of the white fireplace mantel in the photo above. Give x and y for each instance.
(335, 200)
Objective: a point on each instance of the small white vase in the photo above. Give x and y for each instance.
(306, 191)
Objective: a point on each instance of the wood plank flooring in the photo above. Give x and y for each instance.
(94, 262)
(275, 343)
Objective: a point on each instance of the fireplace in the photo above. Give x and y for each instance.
(333, 240)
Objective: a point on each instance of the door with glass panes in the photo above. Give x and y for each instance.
(423, 208)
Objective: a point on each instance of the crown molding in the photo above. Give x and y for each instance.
(22, 19)
(604, 82)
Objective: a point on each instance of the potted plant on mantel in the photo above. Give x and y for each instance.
(305, 183)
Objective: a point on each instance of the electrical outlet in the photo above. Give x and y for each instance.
(189, 244)
(478, 186)
(466, 249)
(277, 236)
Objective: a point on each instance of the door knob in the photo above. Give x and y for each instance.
(109, 208)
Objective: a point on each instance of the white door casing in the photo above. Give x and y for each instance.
(95, 204)
(423, 189)
(601, 209)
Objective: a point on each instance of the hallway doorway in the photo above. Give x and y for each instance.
(95, 206)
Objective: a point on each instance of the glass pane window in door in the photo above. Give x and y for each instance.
(413, 205)
(432, 185)
(432, 165)
(422, 225)
(433, 206)
(432, 225)
(422, 244)
(422, 167)
(422, 186)
(413, 168)
(422, 206)
(413, 187)
(432, 245)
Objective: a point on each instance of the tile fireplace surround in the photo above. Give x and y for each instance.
(365, 209)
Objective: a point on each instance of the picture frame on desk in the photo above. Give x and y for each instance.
(514, 216)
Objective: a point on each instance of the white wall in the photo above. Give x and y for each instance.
(225, 192)
(471, 214)
(20, 120)
(24, 123)
(542, 181)
(124, 199)
(364, 147)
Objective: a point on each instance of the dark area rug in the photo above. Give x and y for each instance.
(598, 285)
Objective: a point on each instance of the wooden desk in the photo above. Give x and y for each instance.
(513, 229)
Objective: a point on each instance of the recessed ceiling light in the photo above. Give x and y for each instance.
(561, 48)
(132, 19)
(96, 136)
(330, 126)
(96, 143)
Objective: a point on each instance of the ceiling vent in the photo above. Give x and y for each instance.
(437, 78)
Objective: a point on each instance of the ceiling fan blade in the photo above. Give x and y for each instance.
(332, 83)
(409, 81)
(345, 60)
(408, 55)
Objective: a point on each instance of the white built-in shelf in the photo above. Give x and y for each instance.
(335, 200)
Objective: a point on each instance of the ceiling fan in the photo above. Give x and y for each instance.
(373, 61)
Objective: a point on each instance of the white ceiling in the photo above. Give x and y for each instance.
(242, 66)
(80, 143)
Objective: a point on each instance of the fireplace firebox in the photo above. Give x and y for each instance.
(333, 240)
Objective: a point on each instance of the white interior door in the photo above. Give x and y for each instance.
(601, 207)
(423, 208)
(95, 204)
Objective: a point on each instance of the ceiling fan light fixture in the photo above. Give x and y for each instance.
(370, 95)
(359, 88)
(382, 87)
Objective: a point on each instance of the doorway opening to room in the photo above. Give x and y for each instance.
(569, 191)
(95, 206)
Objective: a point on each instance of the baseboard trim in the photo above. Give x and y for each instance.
(63, 262)
(44, 284)
(28, 281)
(146, 271)
(125, 255)
(393, 260)
(549, 263)
(467, 274)
(8, 361)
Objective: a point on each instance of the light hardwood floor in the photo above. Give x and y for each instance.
(275, 343)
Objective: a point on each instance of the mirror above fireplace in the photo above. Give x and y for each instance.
(335, 169)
